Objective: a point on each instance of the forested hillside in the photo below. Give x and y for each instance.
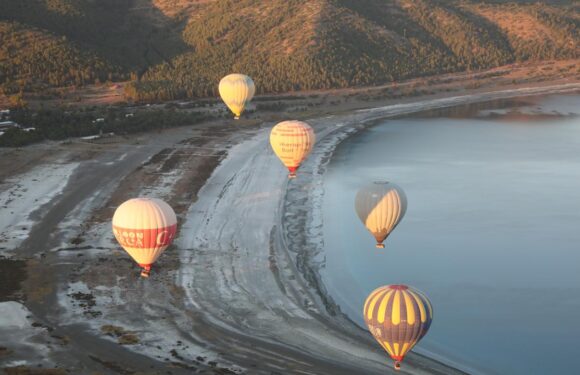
(32, 60)
(181, 48)
(76, 42)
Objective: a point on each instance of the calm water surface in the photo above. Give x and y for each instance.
(491, 234)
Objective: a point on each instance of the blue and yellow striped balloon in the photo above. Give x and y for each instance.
(398, 317)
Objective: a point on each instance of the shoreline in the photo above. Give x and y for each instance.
(264, 308)
(315, 168)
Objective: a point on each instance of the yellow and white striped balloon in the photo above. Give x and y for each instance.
(292, 142)
(398, 317)
(381, 206)
(236, 91)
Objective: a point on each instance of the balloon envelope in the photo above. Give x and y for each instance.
(236, 91)
(398, 317)
(381, 206)
(144, 227)
(292, 142)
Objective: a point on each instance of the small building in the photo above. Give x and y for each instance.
(4, 114)
(5, 125)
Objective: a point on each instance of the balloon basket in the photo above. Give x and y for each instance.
(380, 246)
(397, 366)
(292, 172)
(146, 270)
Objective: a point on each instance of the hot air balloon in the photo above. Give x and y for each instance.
(381, 206)
(144, 227)
(398, 317)
(292, 141)
(236, 91)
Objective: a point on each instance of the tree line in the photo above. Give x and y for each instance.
(285, 45)
(58, 124)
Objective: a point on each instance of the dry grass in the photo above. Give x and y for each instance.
(517, 23)
(128, 339)
(123, 337)
(310, 14)
(24, 370)
(177, 8)
(4, 351)
(36, 289)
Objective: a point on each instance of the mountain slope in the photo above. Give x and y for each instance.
(129, 33)
(32, 60)
(534, 31)
(299, 44)
(181, 48)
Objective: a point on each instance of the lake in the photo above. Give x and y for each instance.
(491, 234)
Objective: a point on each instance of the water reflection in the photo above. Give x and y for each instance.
(491, 233)
(535, 107)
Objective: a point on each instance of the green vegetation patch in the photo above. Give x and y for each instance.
(58, 124)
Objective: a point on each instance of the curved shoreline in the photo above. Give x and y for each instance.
(239, 275)
(238, 292)
(310, 260)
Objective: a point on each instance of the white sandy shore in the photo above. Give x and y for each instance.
(248, 288)
(21, 196)
(18, 333)
(231, 231)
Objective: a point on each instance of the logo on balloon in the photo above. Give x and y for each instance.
(164, 238)
(145, 238)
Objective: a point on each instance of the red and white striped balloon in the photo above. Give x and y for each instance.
(144, 227)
